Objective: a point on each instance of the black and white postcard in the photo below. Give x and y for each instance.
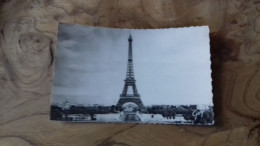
(152, 76)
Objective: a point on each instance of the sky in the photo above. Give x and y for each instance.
(171, 66)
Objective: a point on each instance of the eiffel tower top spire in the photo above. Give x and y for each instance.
(130, 67)
(130, 37)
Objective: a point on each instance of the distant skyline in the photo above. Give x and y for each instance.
(171, 66)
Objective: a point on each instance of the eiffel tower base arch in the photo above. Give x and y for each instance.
(135, 100)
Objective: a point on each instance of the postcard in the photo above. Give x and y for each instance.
(149, 76)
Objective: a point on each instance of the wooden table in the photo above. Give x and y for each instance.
(28, 30)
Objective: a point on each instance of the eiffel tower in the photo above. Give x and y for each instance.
(130, 82)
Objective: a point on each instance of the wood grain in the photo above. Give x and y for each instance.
(28, 30)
